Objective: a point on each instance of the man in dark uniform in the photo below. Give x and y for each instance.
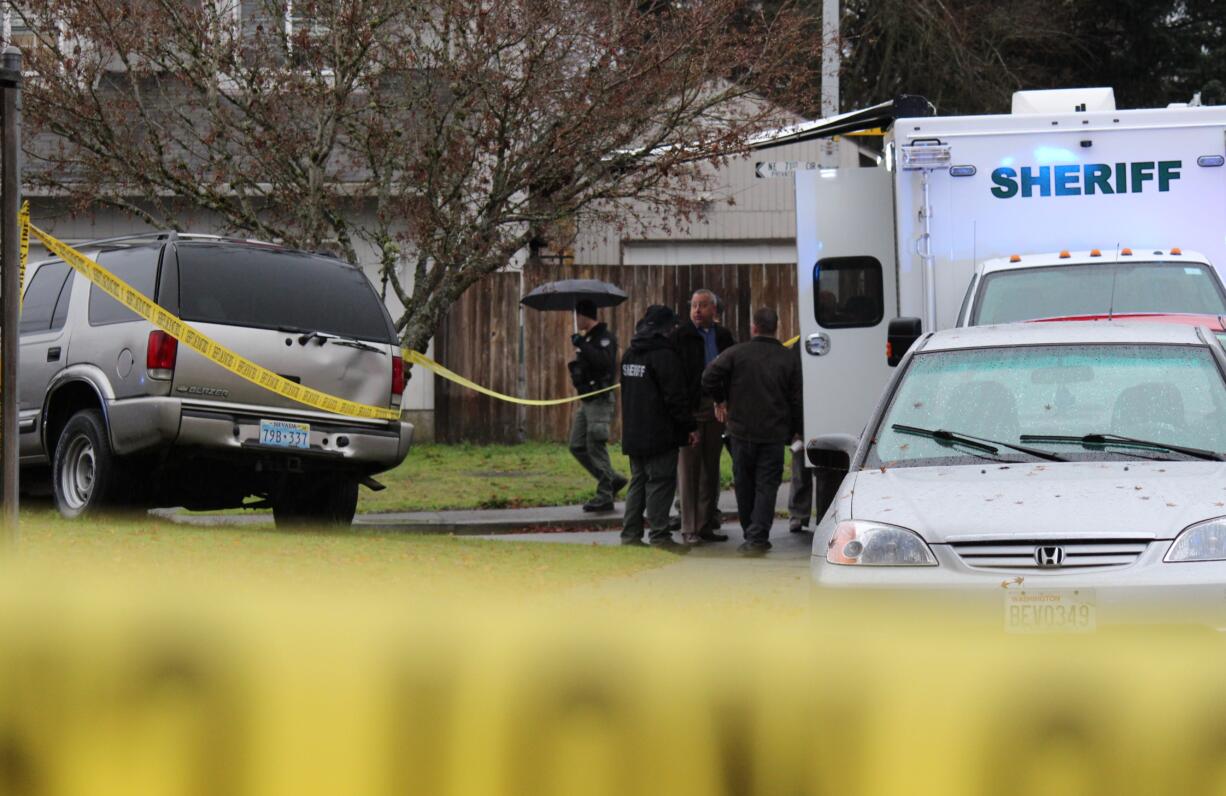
(593, 369)
(756, 387)
(656, 421)
(699, 341)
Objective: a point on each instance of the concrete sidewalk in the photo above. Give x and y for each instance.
(478, 522)
(786, 546)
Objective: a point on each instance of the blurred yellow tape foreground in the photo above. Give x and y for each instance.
(149, 695)
(199, 342)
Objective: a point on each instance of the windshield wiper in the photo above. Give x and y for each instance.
(1092, 440)
(989, 445)
(355, 344)
(307, 335)
(325, 337)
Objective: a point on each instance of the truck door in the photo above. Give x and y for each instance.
(847, 288)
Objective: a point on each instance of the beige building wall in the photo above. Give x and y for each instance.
(750, 219)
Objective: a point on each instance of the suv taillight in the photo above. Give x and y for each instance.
(397, 375)
(160, 355)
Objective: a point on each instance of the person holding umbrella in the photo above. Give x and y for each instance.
(593, 369)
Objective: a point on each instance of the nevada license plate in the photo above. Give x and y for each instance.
(283, 434)
(1050, 611)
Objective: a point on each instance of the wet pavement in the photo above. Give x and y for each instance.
(548, 524)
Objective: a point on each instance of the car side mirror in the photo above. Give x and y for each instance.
(900, 336)
(825, 443)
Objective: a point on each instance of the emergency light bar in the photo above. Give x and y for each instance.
(924, 156)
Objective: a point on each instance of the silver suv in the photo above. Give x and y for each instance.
(123, 416)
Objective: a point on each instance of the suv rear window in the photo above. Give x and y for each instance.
(274, 288)
(138, 267)
(1057, 291)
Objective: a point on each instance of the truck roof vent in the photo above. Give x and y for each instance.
(1064, 100)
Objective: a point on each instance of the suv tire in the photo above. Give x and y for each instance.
(86, 475)
(321, 500)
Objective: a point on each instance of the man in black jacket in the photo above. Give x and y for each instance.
(756, 387)
(656, 421)
(699, 341)
(593, 369)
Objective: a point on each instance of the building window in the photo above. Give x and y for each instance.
(16, 31)
(288, 17)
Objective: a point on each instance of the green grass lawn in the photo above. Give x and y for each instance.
(436, 477)
(148, 547)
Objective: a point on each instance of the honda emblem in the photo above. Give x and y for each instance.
(1049, 557)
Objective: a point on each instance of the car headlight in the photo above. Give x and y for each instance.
(875, 544)
(1204, 541)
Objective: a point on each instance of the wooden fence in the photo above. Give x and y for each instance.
(479, 338)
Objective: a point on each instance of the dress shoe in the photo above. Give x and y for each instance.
(713, 536)
(593, 505)
(751, 550)
(669, 546)
(619, 483)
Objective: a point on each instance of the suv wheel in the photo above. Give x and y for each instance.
(86, 474)
(316, 500)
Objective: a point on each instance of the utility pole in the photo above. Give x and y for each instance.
(831, 62)
(10, 289)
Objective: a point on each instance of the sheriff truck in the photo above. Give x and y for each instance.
(959, 203)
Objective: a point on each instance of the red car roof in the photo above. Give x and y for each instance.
(1214, 322)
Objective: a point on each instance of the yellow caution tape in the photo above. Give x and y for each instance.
(241, 366)
(23, 223)
(201, 343)
(416, 358)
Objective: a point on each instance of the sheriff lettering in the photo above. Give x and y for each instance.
(1085, 179)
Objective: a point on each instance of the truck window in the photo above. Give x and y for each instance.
(138, 267)
(38, 304)
(1098, 289)
(847, 292)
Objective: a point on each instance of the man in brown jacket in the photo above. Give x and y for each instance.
(699, 341)
(757, 387)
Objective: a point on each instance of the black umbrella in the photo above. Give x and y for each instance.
(565, 294)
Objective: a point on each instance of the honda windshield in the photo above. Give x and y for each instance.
(1169, 396)
(1098, 289)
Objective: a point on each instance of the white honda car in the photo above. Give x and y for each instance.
(1061, 474)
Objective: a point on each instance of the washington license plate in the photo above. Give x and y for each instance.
(1050, 611)
(283, 434)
